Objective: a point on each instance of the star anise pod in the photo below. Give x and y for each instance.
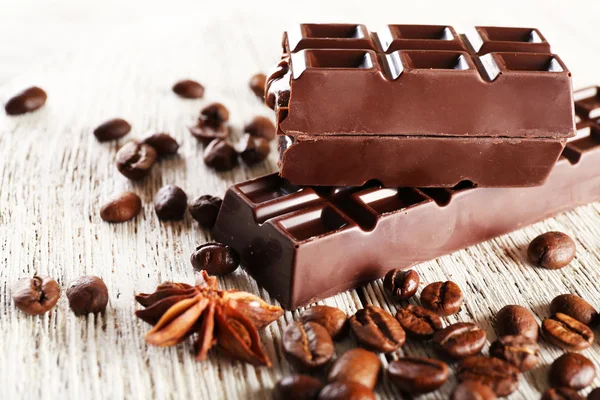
(228, 318)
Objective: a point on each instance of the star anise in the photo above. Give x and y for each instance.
(228, 318)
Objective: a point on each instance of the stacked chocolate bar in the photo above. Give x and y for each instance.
(400, 146)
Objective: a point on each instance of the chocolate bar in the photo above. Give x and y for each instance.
(306, 243)
(395, 105)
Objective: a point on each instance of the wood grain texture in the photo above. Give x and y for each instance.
(104, 59)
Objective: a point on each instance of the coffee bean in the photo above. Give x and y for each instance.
(170, 203)
(401, 285)
(551, 250)
(561, 394)
(356, 365)
(220, 155)
(205, 210)
(419, 322)
(331, 318)
(346, 391)
(253, 149)
(260, 126)
(215, 258)
(443, 298)
(459, 340)
(121, 207)
(189, 89)
(416, 375)
(520, 351)
(112, 129)
(206, 131)
(36, 295)
(164, 144)
(575, 307)
(567, 332)
(257, 84)
(297, 387)
(135, 160)
(377, 330)
(472, 390)
(307, 345)
(216, 113)
(572, 370)
(87, 295)
(516, 320)
(500, 376)
(594, 394)
(26, 101)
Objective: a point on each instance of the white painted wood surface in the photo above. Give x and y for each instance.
(102, 59)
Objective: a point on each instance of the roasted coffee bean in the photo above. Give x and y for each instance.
(216, 113)
(170, 203)
(575, 307)
(121, 207)
(215, 258)
(520, 351)
(346, 391)
(189, 89)
(36, 295)
(419, 322)
(377, 330)
(472, 390)
(260, 126)
(356, 365)
(500, 376)
(307, 345)
(572, 370)
(561, 394)
(26, 101)
(220, 155)
(567, 332)
(516, 320)
(87, 295)
(551, 250)
(401, 285)
(205, 210)
(253, 149)
(594, 394)
(331, 318)
(459, 340)
(164, 144)
(112, 129)
(443, 298)
(135, 160)
(416, 375)
(297, 387)
(206, 131)
(257, 84)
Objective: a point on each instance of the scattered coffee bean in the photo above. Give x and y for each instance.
(215, 258)
(520, 351)
(205, 210)
(307, 345)
(135, 160)
(459, 340)
(189, 89)
(260, 126)
(472, 390)
(516, 320)
(561, 394)
(416, 375)
(216, 113)
(572, 370)
(377, 330)
(257, 84)
(594, 394)
(419, 322)
(567, 332)
(575, 307)
(87, 295)
(500, 376)
(346, 391)
(36, 295)
(401, 285)
(253, 149)
(297, 387)
(170, 203)
(206, 131)
(121, 207)
(356, 365)
(220, 155)
(331, 318)
(551, 250)
(164, 144)
(112, 129)
(443, 298)
(26, 101)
